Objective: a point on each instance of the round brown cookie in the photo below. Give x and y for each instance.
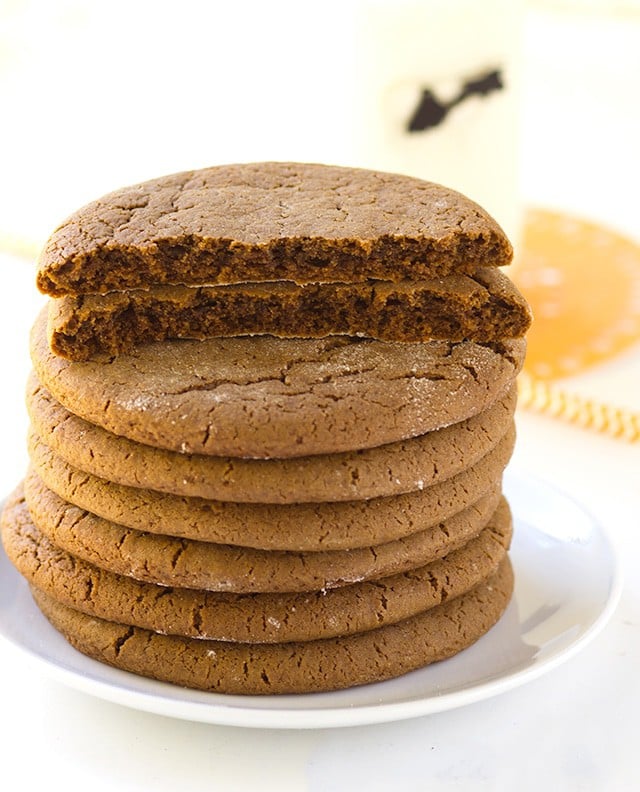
(291, 526)
(188, 563)
(485, 306)
(269, 221)
(267, 397)
(388, 470)
(249, 618)
(298, 667)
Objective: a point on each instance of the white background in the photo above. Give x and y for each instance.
(94, 96)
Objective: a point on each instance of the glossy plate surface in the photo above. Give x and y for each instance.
(567, 586)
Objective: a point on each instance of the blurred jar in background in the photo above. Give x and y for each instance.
(581, 109)
(437, 96)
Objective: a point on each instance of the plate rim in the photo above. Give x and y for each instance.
(217, 712)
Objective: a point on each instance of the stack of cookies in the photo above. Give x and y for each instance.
(270, 411)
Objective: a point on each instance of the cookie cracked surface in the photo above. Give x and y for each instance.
(264, 397)
(391, 469)
(174, 561)
(250, 618)
(310, 527)
(296, 667)
(269, 221)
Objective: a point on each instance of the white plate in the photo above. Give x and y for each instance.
(567, 585)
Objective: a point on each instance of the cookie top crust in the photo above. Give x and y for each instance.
(264, 397)
(391, 469)
(270, 221)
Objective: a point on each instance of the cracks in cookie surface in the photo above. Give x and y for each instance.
(254, 416)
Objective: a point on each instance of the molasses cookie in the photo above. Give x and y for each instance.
(265, 397)
(269, 221)
(291, 526)
(249, 618)
(391, 469)
(188, 563)
(297, 667)
(483, 307)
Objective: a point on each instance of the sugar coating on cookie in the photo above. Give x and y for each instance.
(175, 561)
(295, 667)
(270, 221)
(392, 469)
(290, 526)
(250, 618)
